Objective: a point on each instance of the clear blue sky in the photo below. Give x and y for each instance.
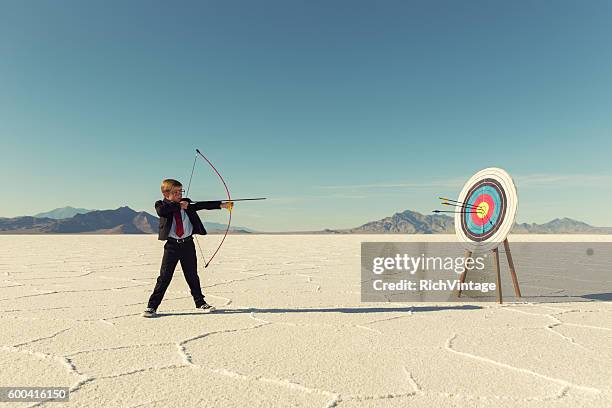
(341, 112)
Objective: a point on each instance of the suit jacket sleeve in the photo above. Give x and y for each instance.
(205, 205)
(166, 209)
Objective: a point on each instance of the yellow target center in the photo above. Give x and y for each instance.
(482, 210)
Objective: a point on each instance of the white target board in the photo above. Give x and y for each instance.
(488, 204)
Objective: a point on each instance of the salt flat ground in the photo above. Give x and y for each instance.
(290, 331)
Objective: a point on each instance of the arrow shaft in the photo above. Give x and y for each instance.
(456, 212)
(455, 201)
(246, 199)
(233, 199)
(461, 205)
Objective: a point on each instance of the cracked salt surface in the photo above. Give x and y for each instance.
(291, 331)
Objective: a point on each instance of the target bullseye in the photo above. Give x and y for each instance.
(482, 210)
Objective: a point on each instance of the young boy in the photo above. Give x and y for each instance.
(178, 221)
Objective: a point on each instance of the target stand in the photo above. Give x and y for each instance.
(517, 289)
(487, 210)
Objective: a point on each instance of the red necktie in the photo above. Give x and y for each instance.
(179, 224)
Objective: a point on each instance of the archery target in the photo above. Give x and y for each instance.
(488, 209)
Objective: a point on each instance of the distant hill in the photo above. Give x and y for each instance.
(24, 224)
(560, 226)
(407, 222)
(122, 220)
(218, 227)
(412, 222)
(61, 213)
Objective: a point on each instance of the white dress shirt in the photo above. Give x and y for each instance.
(187, 227)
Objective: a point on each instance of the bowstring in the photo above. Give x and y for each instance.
(192, 170)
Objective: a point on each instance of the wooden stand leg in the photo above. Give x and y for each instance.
(497, 272)
(517, 290)
(468, 255)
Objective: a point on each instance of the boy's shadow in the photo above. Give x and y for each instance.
(359, 310)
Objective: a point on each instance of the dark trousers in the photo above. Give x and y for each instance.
(173, 253)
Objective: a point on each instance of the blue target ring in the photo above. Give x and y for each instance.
(480, 228)
(496, 199)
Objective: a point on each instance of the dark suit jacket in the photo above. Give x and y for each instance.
(166, 209)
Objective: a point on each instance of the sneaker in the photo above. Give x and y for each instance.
(206, 307)
(149, 312)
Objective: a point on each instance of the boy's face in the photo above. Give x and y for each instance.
(175, 194)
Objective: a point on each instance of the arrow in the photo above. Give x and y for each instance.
(233, 199)
(460, 205)
(456, 212)
(245, 199)
(454, 201)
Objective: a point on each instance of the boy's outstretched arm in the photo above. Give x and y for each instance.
(166, 209)
(203, 205)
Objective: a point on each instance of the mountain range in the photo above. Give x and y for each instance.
(61, 213)
(412, 222)
(122, 220)
(408, 222)
(125, 220)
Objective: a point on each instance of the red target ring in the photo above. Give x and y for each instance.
(488, 207)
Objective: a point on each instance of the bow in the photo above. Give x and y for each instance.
(229, 199)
